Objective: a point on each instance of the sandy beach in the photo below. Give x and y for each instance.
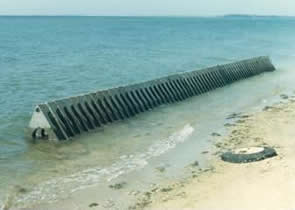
(267, 184)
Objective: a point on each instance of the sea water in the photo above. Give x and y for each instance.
(45, 58)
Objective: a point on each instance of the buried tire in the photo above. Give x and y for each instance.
(247, 155)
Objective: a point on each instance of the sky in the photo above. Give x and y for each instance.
(147, 7)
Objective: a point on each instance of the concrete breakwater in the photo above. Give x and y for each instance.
(66, 118)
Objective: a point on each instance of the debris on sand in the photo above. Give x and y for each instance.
(233, 116)
(166, 189)
(267, 108)
(284, 96)
(249, 154)
(215, 134)
(117, 186)
(229, 125)
(93, 205)
(161, 169)
(195, 164)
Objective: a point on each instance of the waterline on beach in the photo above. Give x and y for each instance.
(56, 188)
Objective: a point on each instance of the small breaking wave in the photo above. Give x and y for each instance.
(55, 189)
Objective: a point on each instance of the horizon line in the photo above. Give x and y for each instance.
(85, 15)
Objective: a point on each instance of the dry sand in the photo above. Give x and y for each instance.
(267, 184)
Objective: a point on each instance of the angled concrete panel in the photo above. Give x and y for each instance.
(66, 118)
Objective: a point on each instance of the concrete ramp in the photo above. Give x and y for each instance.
(66, 118)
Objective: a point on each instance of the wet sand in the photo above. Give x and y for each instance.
(267, 184)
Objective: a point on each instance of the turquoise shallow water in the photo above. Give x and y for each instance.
(43, 58)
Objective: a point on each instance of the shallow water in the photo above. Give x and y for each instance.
(42, 58)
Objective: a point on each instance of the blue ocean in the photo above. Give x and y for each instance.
(46, 58)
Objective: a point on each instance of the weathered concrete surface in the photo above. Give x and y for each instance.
(66, 118)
